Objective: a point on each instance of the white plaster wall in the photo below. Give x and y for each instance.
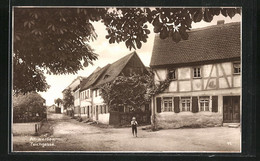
(214, 71)
(223, 83)
(103, 118)
(86, 102)
(98, 100)
(169, 120)
(227, 67)
(237, 81)
(160, 74)
(197, 85)
(206, 70)
(184, 73)
(173, 86)
(77, 102)
(184, 86)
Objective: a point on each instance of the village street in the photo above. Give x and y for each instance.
(71, 135)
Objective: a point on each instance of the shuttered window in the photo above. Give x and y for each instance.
(158, 104)
(195, 107)
(214, 103)
(176, 104)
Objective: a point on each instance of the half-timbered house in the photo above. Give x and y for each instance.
(205, 74)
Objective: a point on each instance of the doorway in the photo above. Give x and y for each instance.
(231, 109)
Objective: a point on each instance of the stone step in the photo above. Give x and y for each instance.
(232, 125)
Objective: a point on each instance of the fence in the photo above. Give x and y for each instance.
(124, 118)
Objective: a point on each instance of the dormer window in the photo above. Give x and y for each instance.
(172, 74)
(197, 72)
(236, 68)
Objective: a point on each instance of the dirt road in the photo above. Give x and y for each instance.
(71, 135)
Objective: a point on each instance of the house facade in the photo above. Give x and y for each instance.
(205, 78)
(91, 103)
(75, 90)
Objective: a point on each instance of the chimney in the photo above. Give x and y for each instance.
(220, 22)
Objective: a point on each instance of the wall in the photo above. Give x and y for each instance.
(219, 93)
(213, 76)
(216, 80)
(76, 98)
(103, 118)
(124, 118)
(168, 120)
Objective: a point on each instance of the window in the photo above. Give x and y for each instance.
(204, 103)
(185, 104)
(96, 91)
(101, 110)
(172, 74)
(196, 72)
(167, 104)
(236, 67)
(99, 92)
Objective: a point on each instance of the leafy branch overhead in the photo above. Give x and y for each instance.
(129, 25)
(55, 40)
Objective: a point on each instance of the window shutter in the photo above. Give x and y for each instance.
(176, 104)
(195, 107)
(158, 104)
(214, 103)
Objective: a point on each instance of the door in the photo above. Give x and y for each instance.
(231, 109)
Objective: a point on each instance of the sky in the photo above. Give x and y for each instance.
(109, 53)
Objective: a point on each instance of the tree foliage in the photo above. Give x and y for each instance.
(135, 90)
(25, 107)
(126, 90)
(55, 40)
(68, 99)
(58, 101)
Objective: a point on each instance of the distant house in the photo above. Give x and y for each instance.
(205, 74)
(75, 87)
(54, 109)
(92, 104)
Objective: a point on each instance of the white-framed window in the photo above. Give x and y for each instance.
(204, 103)
(237, 68)
(196, 72)
(172, 74)
(167, 104)
(185, 104)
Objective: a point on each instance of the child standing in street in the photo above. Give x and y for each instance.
(134, 126)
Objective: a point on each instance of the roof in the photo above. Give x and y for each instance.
(90, 80)
(114, 69)
(74, 84)
(218, 42)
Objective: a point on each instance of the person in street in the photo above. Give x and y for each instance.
(134, 126)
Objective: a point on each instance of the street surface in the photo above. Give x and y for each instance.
(71, 135)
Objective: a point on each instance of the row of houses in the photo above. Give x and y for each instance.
(205, 75)
(88, 102)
